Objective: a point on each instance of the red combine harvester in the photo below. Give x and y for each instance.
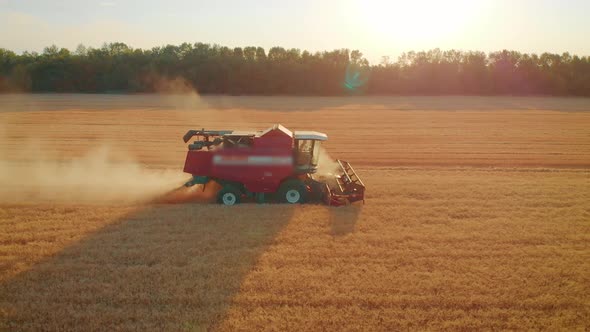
(272, 165)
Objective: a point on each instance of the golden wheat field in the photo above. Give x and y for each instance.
(477, 217)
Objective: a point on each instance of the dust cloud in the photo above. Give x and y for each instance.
(103, 175)
(177, 93)
(327, 166)
(38, 172)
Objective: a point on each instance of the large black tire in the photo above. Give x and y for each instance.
(293, 192)
(229, 195)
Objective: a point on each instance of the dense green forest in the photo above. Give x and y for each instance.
(216, 69)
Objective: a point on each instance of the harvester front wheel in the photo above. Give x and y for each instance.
(228, 195)
(293, 192)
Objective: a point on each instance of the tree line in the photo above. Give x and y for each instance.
(214, 69)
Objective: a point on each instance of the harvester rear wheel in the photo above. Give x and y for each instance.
(228, 195)
(293, 192)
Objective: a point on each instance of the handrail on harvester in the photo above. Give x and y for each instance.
(205, 133)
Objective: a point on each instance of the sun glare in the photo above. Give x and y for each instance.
(419, 22)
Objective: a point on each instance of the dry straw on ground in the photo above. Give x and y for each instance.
(438, 245)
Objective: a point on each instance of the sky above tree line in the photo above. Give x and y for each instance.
(376, 27)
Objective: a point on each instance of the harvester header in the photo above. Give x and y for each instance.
(268, 165)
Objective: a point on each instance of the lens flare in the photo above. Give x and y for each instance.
(356, 78)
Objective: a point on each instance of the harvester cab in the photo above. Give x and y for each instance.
(275, 163)
(306, 150)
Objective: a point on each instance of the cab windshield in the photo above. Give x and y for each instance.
(308, 152)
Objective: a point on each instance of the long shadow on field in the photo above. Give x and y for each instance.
(165, 268)
(343, 219)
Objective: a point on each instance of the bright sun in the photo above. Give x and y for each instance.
(419, 22)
